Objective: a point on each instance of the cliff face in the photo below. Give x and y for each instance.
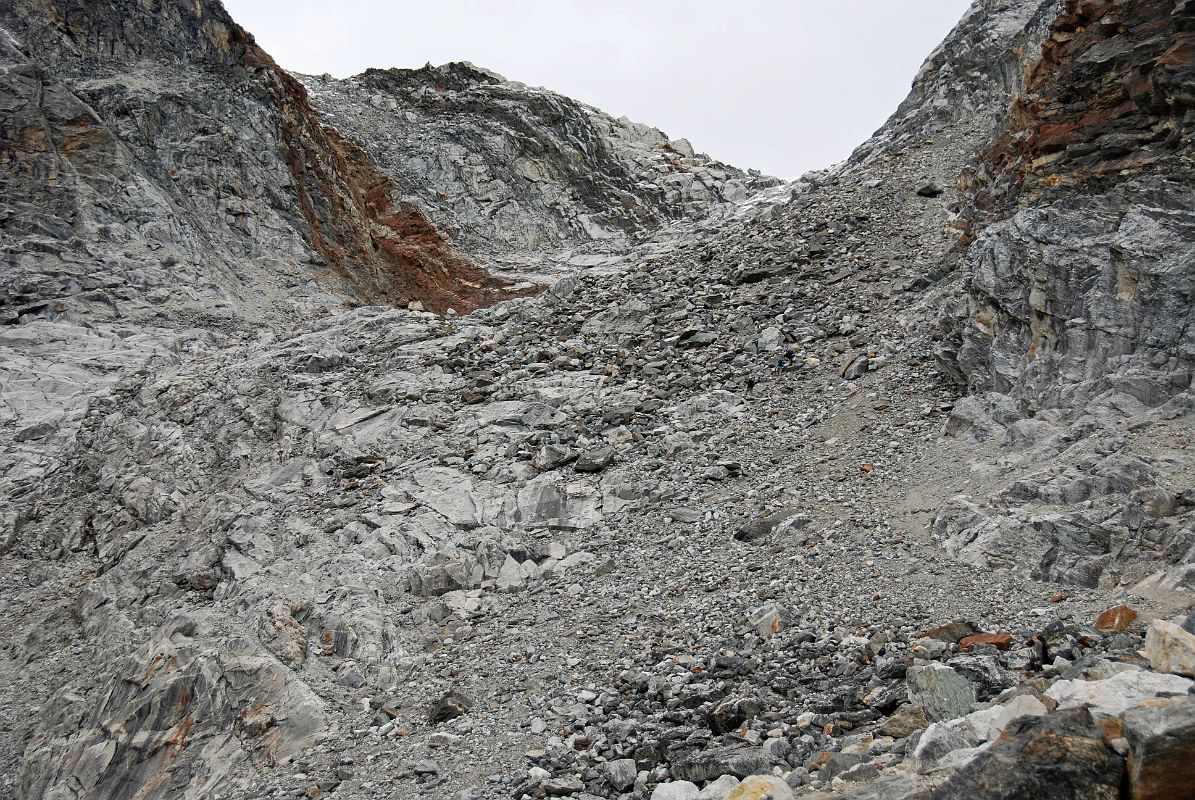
(165, 153)
(1109, 97)
(1077, 316)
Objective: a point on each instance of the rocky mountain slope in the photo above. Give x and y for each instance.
(523, 176)
(166, 158)
(818, 491)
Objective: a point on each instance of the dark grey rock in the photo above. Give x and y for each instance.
(1060, 755)
(737, 760)
(449, 707)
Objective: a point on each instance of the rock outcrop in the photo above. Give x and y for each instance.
(524, 175)
(972, 75)
(167, 159)
(1075, 328)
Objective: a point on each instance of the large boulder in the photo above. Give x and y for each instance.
(1060, 756)
(1161, 736)
(1170, 648)
(941, 692)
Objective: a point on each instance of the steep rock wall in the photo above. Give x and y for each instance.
(1081, 208)
(170, 153)
(1074, 331)
(1111, 96)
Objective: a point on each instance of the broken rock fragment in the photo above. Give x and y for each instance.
(941, 692)
(1170, 648)
(452, 705)
(1115, 619)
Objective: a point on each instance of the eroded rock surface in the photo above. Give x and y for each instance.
(516, 171)
(1074, 326)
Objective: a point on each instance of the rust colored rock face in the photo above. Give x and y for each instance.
(1115, 619)
(1001, 641)
(1161, 761)
(1109, 97)
(388, 252)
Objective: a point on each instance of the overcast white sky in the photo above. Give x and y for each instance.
(783, 86)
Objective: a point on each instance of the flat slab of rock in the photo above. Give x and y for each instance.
(1113, 696)
(1001, 641)
(987, 724)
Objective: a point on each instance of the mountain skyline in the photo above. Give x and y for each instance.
(781, 87)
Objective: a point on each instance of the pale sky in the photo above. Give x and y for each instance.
(783, 86)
